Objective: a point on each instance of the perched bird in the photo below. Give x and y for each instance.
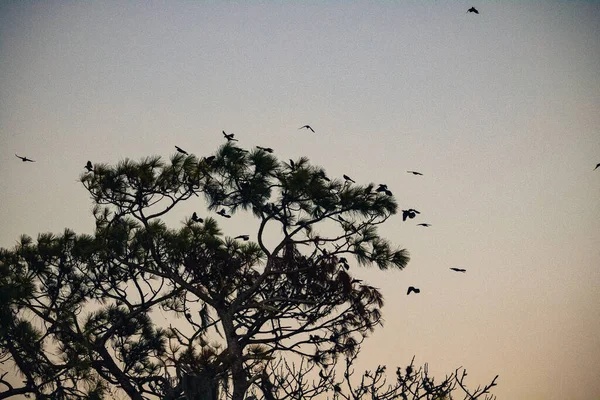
(195, 218)
(266, 149)
(292, 164)
(229, 137)
(414, 172)
(413, 289)
(348, 179)
(89, 166)
(473, 10)
(182, 151)
(425, 225)
(243, 237)
(322, 175)
(307, 127)
(459, 270)
(597, 165)
(410, 213)
(25, 159)
(222, 213)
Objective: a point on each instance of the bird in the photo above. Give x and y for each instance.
(348, 179)
(473, 10)
(222, 213)
(243, 237)
(307, 127)
(292, 164)
(195, 218)
(322, 175)
(180, 150)
(410, 213)
(597, 165)
(414, 172)
(413, 289)
(459, 270)
(229, 137)
(425, 225)
(89, 166)
(25, 159)
(266, 149)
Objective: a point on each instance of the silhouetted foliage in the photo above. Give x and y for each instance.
(145, 311)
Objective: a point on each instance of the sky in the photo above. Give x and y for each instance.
(499, 111)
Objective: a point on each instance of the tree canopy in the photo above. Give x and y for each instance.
(141, 310)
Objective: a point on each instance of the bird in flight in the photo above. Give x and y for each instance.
(473, 10)
(410, 213)
(25, 159)
(307, 127)
(425, 225)
(89, 166)
(459, 270)
(597, 165)
(222, 213)
(266, 149)
(413, 289)
(414, 172)
(243, 237)
(196, 218)
(348, 179)
(180, 150)
(229, 137)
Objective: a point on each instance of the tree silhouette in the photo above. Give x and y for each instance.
(146, 311)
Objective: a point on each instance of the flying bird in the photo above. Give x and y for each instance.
(89, 166)
(222, 213)
(229, 137)
(473, 10)
(25, 159)
(307, 127)
(597, 165)
(348, 179)
(410, 213)
(459, 270)
(243, 237)
(266, 149)
(413, 289)
(414, 172)
(180, 150)
(195, 218)
(425, 225)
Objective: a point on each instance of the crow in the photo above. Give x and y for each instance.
(414, 172)
(195, 218)
(473, 10)
(597, 165)
(182, 151)
(459, 270)
(410, 213)
(413, 289)
(267, 149)
(89, 166)
(25, 159)
(243, 237)
(229, 137)
(307, 127)
(425, 225)
(348, 179)
(222, 213)
(292, 164)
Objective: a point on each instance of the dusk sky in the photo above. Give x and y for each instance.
(500, 111)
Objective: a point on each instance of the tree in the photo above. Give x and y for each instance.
(81, 314)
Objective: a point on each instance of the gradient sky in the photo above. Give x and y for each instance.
(500, 111)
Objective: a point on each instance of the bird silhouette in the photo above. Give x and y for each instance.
(292, 164)
(180, 150)
(266, 149)
(25, 159)
(597, 165)
(89, 166)
(459, 270)
(473, 10)
(414, 172)
(222, 213)
(229, 137)
(195, 218)
(413, 289)
(322, 175)
(410, 213)
(348, 179)
(425, 225)
(307, 127)
(243, 237)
